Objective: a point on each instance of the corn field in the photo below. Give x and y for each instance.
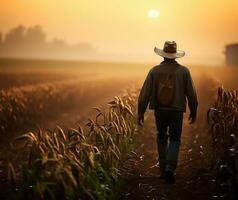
(80, 163)
(22, 106)
(106, 157)
(223, 121)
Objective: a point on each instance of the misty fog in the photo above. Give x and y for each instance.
(31, 42)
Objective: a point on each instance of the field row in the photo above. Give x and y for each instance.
(25, 106)
(80, 163)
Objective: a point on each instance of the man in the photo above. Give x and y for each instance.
(167, 88)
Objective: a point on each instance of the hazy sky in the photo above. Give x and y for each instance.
(122, 30)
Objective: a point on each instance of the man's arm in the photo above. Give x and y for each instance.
(144, 97)
(192, 97)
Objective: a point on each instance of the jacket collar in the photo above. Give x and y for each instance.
(169, 61)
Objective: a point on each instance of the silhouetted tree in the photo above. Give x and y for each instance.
(35, 35)
(15, 36)
(32, 42)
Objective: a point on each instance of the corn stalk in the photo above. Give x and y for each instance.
(223, 121)
(79, 163)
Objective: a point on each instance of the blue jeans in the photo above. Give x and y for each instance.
(169, 125)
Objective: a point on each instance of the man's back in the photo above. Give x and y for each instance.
(183, 87)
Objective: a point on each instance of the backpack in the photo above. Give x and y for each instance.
(166, 87)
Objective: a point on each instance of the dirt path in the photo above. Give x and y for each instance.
(193, 178)
(193, 175)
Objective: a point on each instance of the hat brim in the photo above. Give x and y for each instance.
(160, 52)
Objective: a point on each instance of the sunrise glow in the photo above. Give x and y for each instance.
(153, 13)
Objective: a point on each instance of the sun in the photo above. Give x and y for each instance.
(153, 13)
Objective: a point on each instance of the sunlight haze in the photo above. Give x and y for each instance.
(122, 30)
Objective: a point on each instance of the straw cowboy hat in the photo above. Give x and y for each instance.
(169, 50)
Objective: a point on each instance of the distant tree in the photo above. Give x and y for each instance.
(35, 35)
(59, 43)
(15, 36)
(85, 47)
(32, 42)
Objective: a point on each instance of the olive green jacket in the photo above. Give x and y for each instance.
(184, 90)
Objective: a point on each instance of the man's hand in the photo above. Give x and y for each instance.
(192, 117)
(140, 120)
